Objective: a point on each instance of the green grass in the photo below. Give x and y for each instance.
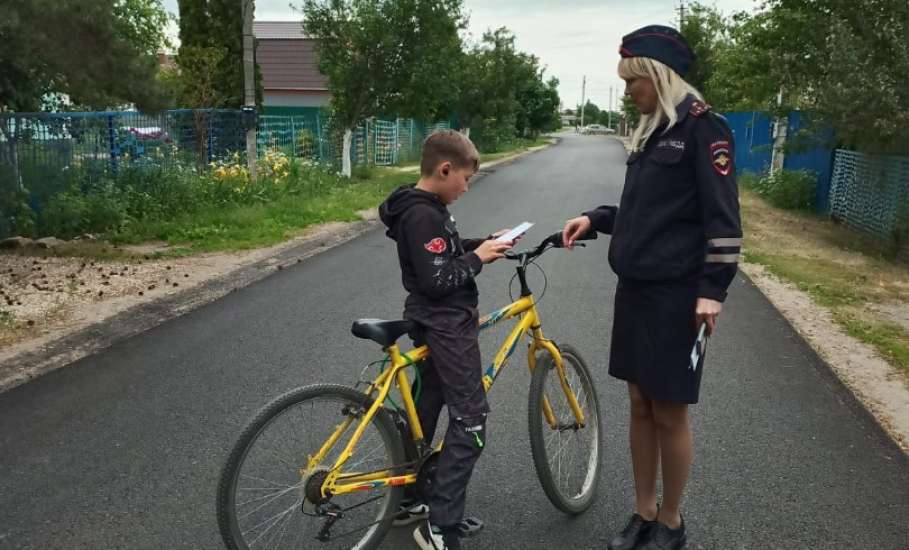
(7, 319)
(253, 226)
(889, 339)
(825, 281)
(838, 269)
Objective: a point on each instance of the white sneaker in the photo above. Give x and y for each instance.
(429, 537)
(411, 513)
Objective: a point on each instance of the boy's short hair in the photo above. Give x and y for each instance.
(451, 146)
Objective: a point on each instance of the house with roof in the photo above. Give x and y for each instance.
(291, 81)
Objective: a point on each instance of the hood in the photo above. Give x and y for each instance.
(400, 200)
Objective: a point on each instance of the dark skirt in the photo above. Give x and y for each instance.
(653, 332)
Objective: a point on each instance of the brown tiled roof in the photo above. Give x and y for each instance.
(278, 29)
(287, 58)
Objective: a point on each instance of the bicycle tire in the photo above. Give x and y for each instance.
(227, 486)
(570, 504)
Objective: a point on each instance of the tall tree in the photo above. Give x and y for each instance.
(503, 93)
(97, 53)
(630, 112)
(706, 31)
(591, 113)
(385, 57)
(212, 30)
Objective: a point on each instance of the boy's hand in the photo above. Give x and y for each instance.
(575, 228)
(492, 250)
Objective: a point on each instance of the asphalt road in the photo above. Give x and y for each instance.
(123, 449)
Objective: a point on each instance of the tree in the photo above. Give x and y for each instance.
(493, 72)
(854, 74)
(630, 112)
(213, 30)
(115, 61)
(705, 29)
(591, 113)
(743, 76)
(850, 77)
(538, 104)
(385, 56)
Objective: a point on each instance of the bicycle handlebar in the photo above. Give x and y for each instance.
(552, 241)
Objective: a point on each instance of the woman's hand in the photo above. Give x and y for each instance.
(706, 311)
(575, 229)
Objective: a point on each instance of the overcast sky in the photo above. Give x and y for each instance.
(572, 38)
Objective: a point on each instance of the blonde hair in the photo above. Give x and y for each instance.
(671, 90)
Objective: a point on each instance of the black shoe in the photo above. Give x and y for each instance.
(663, 538)
(411, 512)
(634, 533)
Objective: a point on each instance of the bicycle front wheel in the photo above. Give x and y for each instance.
(265, 495)
(566, 452)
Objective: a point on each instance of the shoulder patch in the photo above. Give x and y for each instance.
(698, 108)
(720, 157)
(436, 246)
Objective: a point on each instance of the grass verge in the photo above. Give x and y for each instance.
(847, 273)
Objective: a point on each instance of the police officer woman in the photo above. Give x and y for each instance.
(676, 236)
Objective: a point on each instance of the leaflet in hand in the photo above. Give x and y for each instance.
(515, 233)
(700, 346)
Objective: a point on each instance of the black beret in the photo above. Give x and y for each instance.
(661, 43)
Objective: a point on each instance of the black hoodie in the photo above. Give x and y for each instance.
(437, 266)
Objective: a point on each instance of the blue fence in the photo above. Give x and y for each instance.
(871, 194)
(807, 148)
(46, 153)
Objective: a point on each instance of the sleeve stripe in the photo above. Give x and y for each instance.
(725, 242)
(722, 258)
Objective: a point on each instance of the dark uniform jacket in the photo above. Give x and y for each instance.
(679, 213)
(437, 266)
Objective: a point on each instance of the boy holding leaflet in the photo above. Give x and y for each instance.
(438, 270)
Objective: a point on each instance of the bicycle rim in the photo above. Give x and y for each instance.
(262, 502)
(566, 455)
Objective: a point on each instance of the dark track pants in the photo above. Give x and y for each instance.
(452, 376)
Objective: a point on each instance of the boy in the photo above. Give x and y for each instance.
(438, 270)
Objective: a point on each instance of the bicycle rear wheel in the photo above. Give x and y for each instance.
(566, 454)
(262, 494)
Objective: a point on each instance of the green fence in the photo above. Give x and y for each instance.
(871, 194)
(44, 154)
(375, 141)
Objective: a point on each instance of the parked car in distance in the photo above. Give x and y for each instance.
(594, 129)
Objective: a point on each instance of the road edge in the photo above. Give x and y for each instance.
(69, 348)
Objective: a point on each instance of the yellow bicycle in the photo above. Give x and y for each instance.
(325, 466)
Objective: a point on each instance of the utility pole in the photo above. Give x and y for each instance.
(583, 98)
(681, 10)
(249, 82)
(610, 107)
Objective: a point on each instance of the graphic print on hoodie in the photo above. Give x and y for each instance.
(437, 266)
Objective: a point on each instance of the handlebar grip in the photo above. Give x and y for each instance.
(556, 238)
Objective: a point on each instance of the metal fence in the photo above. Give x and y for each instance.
(46, 153)
(871, 194)
(375, 141)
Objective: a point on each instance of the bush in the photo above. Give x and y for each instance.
(791, 190)
(102, 209)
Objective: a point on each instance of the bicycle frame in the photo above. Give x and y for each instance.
(338, 483)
